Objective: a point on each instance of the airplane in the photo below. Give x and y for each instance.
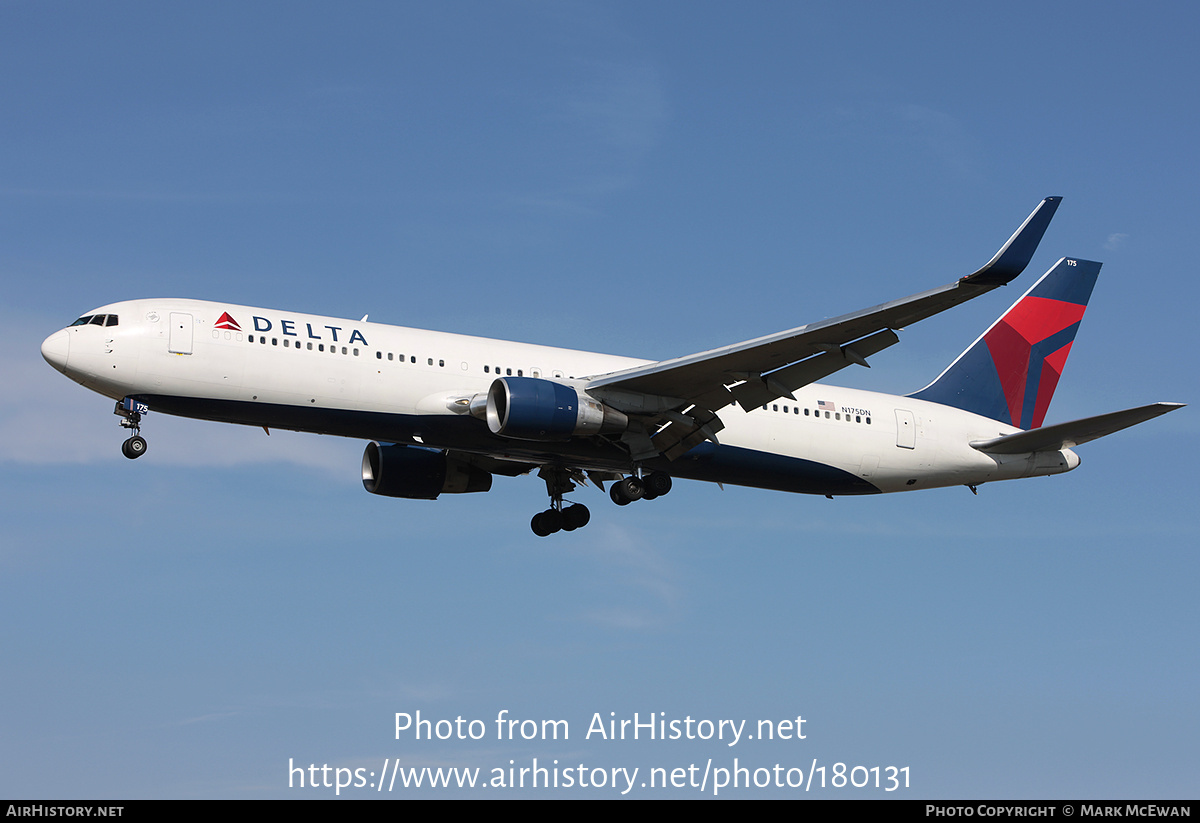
(445, 413)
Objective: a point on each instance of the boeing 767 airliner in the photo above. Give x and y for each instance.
(446, 412)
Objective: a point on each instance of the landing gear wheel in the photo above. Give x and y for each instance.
(547, 523)
(560, 516)
(617, 496)
(632, 488)
(657, 484)
(134, 447)
(552, 519)
(575, 517)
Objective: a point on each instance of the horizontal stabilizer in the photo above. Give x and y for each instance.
(1067, 435)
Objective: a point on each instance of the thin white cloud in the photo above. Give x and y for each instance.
(938, 134)
(632, 562)
(942, 134)
(1115, 241)
(621, 103)
(147, 196)
(607, 118)
(47, 418)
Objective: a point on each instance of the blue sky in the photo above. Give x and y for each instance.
(643, 179)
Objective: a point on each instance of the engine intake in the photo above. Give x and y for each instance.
(529, 408)
(418, 474)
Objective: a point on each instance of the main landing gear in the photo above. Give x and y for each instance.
(131, 418)
(648, 487)
(559, 517)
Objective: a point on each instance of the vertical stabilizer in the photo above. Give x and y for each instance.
(1010, 372)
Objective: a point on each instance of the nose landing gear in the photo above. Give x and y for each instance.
(131, 413)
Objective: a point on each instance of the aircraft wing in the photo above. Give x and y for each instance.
(1068, 435)
(758, 371)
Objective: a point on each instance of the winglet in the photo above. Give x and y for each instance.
(1015, 255)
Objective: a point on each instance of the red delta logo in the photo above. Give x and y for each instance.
(227, 322)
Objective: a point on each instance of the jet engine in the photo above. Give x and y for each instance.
(529, 408)
(419, 474)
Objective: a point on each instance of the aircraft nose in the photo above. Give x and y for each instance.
(55, 349)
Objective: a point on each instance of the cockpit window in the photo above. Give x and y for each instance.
(96, 320)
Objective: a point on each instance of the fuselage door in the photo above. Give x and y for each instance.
(181, 333)
(906, 429)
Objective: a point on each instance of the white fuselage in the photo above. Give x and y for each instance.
(287, 370)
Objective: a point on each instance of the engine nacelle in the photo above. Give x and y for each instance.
(529, 408)
(418, 474)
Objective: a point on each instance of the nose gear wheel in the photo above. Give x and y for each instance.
(131, 413)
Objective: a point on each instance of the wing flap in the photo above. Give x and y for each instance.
(1072, 433)
(760, 389)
